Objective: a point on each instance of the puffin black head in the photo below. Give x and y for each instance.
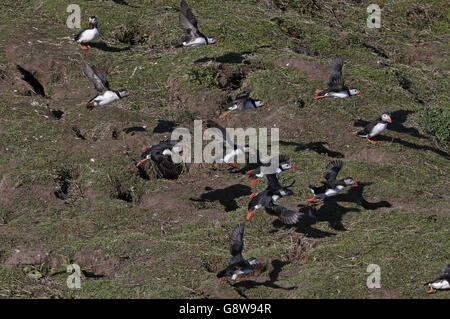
(348, 181)
(124, 93)
(354, 92)
(385, 117)
(93, 21)
(146, 155)
(284, 163)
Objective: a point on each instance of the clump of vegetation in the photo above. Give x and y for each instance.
(130, 35)
(436, 120)
(203, 76)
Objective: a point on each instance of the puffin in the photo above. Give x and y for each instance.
(230, 150)
(440, 283)
(89, 34)
(267, 198)
(242, 102)
(331, 186)
(375, 128)
(160, 152)
(336, 87)
(238, 267)
(104, 94)
(261, 171)
(193, 37)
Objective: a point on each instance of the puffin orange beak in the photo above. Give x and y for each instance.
(390, 120)
(252, 195)
(226, 113)
(217, 42)
(131, 94)
(254, 181)
(360, 93)
(430, 290)
(317, 91)
(249, 172)
(356, 184)
(319, 97)
(293, 168)
(266, 105)
(144, 148)
(249, 214)
(141, 161)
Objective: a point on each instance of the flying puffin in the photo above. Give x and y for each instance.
(238, 266)
(104, 94)
(261, 171)
(194, 37)
(267, 198)
(242, 102)
(331, 186)
(375, 128)
(336, 87)
(440, 283)
(89, 34)
(161, 152)
(230, 150)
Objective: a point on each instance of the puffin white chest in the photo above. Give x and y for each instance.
(275, 198)
(106, 98)
(442, 284)
(334, 191)
(340, 94)
(377, 129)
(89, 35)
(196, 42)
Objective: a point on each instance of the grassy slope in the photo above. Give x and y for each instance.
(147, 248)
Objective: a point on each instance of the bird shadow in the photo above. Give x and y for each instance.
(303, 227)
(134, 129)
(333, 213)
(164, 126)
(435, 150)
(318, 147)
(398, 118)
(225, 196)
(231, 58)
(273, 277)
(104, 47)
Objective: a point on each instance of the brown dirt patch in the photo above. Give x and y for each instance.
(97, 265)
(22, 257)
(314, 71)
(371, 154)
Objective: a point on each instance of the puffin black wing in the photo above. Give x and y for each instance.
(187, 19)
(96, 77)
(331, 172)
(335, 82)
(272, 182)
(243, 95)
(237, 244)
(368, 128)
(286, 216)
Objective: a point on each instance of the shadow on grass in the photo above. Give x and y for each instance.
(225, 196)
(273, 276)
(104, 47)
(231, 57)
(164, 126)
(317, 147)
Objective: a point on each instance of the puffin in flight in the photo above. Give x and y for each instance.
(89, 34)
(336, 87)
(375, 128)
(242, 102)
(104, 94)
(193, 37)
(230, 150)
(331, 186)
(238, 267)
(267, 198)
(263, 170)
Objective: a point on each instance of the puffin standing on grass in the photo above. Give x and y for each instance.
(336, 87)
(230, 150)
(238, 266)
(161, 152)
(331, 186)
(267, 198)
(104, 94)
(261, 171)
(242, 102)
(440, 283)
(194, 37)
(89, 34)
(375, 128)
